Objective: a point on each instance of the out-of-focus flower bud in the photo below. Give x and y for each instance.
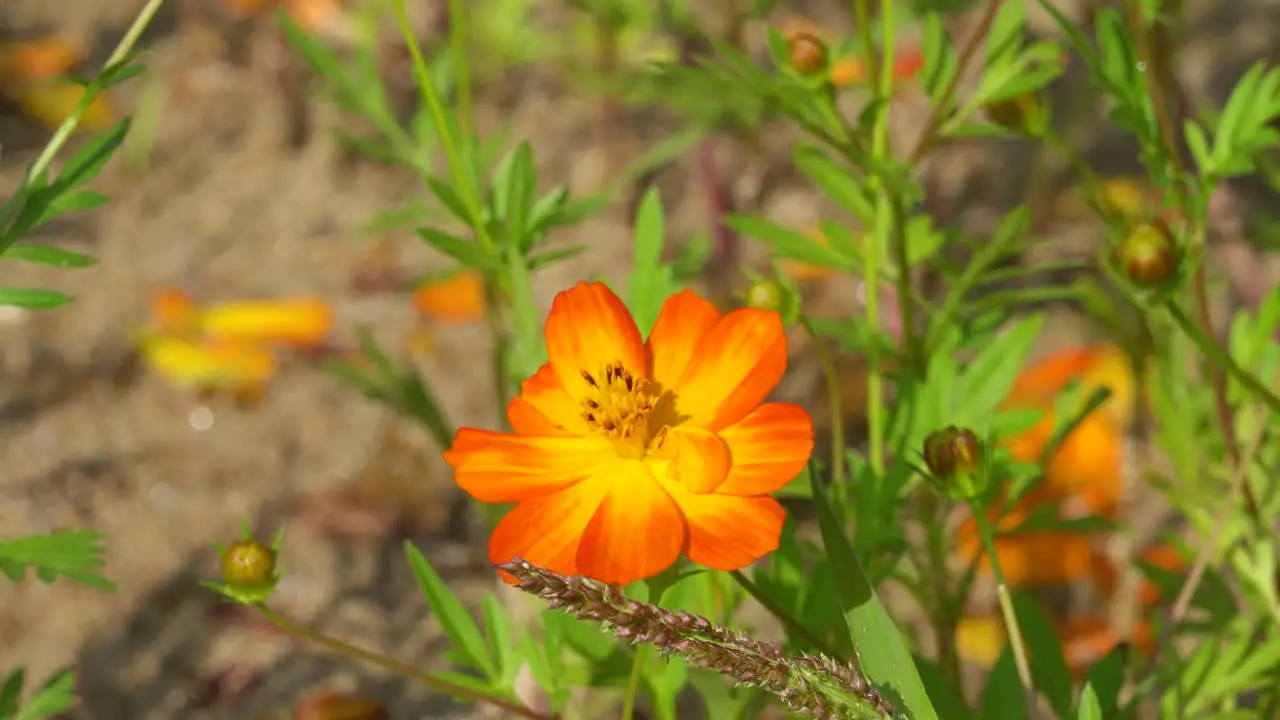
(954, 457)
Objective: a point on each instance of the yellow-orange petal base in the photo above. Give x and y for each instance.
(627, 454)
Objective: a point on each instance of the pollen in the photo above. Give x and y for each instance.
(617, 404)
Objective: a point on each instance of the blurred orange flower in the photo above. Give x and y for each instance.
(293, 322)
(627, 454)
(1036, 559)
(1085, 640)
(852, 69)
(458, 297)
(1089, 463)
(38, 59)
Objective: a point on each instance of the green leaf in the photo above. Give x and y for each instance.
(1106, 678)
(73, 555)
(940, 61)
(521, 195)
(836, 182)
(11, 692)
(56, 696)
(944, 695)
(1090, 708)
(452, 614)
(466, 252)
(497, 635)
(1006, 34)
(988, 379)
(1049, 670)
(789, 243)
(47, 255)
(882, 655)
(88, 162)
(647, 282)
(1003, 696)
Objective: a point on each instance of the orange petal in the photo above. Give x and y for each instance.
(1165, 557)
(700, 459)
(207, 365)
(728, 532)
(848, 71)
(907, 63)
(685, 319)
(498, 467)
(172, 309)
(545, 395)
(304, 322)
(588, 328)
(733, 370)
(636, 533)
(770, 447)
(42, 58)
(1089, 464)
(1044, 559)
(456, 298)
(546, 531)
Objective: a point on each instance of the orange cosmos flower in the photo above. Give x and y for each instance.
(627, 454)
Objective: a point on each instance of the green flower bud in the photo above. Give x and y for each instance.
(248, 565)
(807, 54)
(1148, 256)
(249, 570)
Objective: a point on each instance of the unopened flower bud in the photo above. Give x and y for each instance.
(248, 566)
(953, 456)
(1148, 257)
(1021, 114)
(807, 53)
(766, 294)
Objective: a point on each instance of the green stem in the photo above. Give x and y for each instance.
(941, 604)
(1219, 357)
(1006, 610)
(833, 394)
(881, 67)
(459, 164)
(633, 684)
(445, 686)
(792, 625)
(459, 38)
(68, 126)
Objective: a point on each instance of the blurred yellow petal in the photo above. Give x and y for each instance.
(207, 365)
(38, 59)
(301, 322)
(50, 102)
(980, 639)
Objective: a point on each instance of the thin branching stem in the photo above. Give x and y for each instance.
(1006, 611)
(834, 399)
(427, 679)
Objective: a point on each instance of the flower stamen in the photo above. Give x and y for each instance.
(617, 404)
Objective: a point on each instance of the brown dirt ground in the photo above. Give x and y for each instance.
(228, 207)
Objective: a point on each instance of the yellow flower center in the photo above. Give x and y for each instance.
(617, 404)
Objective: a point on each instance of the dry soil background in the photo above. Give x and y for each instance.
(229, 207)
